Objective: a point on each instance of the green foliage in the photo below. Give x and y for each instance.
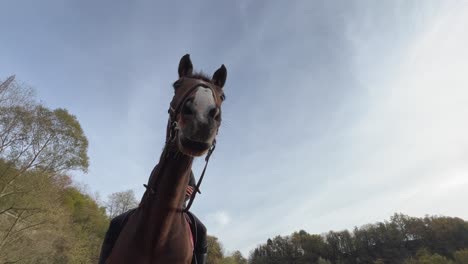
(323, 261)
(50, 222)
(42, 218)
(215, 251)
(216, 256)
(28, 220)
(423, 256)
(39, 138)
(461, 256)
(88, 223)
(85, 212)
(311, 247)
(235, 258)
(384, 242)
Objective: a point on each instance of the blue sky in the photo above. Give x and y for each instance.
(337, 114)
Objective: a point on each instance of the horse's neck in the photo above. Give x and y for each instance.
(159, 220)
(169, 181)
(170, 178)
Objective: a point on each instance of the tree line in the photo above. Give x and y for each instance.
(403, 239)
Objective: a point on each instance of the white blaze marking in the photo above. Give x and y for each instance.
(203, 102)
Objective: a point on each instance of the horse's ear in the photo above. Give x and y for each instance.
(219, 77)
(185, 66)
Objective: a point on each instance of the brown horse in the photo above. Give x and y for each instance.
(158, 232)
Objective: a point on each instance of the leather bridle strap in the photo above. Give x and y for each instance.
(197, 187)
(193, 83)
(172, 128)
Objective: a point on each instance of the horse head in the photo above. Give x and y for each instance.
(195, 109)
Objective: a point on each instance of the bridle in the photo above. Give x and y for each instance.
(183, 89)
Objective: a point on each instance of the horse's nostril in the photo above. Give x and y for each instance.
(214, 113)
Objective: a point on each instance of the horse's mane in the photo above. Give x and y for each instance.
(201, 75)
(197, 75)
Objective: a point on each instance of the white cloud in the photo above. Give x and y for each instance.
(218, 220)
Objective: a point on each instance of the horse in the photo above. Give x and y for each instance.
(158, 232)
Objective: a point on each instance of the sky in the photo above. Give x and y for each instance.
(338, 113)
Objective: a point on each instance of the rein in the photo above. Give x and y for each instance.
(197, 187)
(172, 130)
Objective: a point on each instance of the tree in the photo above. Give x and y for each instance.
(235, 258)
(88, 224)
(238, 258)
(38, 146)
(461, 256)
(310, 246)
(424, 257)
(33, 137)
(392, 241)
(120, 202)
(323, 261)
(61, 224)
(38, 139)
(14, 94)
(26, 227)
(215, 250)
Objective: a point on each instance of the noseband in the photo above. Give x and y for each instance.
(183, 89)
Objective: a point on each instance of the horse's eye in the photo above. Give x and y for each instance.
(177, 84)
(223, 97)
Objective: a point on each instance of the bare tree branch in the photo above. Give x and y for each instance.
(4, 239)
